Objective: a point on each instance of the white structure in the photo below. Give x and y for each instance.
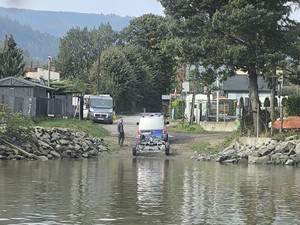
(231, 91)
(199, 107)
(40, 73)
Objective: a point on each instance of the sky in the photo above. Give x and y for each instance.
(132, 8)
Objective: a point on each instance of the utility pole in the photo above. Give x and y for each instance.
(49, 65)
(217, 119)
(280, 106)
(98, 73)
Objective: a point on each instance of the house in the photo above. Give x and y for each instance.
(238, 86)
(227, 101)
(38, 73)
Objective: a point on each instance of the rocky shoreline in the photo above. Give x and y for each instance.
(63, 143)
(275, 152)
(53, 143)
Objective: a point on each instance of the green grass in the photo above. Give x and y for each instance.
(201, 147)
(90, 128)
(205, 147)
(187, 128)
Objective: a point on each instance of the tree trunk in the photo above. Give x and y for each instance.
(254, 100)
(272, 103)
(21, 151)
(192, 109)
(208, 103)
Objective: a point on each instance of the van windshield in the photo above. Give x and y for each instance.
(149, 123)
(101, 103)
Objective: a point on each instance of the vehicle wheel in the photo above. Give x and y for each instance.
(134, 151)
(167, 151)
(111, 122)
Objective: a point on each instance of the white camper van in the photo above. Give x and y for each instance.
(98, 108)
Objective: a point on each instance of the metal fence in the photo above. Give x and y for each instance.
(39, 107)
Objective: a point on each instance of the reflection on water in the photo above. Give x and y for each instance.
(147, 190)
(150, 185)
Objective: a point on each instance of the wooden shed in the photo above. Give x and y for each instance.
(26, 97)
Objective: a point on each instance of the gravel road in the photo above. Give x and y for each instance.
(178, 141)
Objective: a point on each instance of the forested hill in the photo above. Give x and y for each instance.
(38, 32)
(35, 44)
(58, 23)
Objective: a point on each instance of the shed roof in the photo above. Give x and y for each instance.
(240, 83)
(20, 82)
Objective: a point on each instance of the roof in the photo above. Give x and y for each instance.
(20, 82)
(98, 96)
(240, 83)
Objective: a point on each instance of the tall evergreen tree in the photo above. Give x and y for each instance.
(240, 34)
(11, 58)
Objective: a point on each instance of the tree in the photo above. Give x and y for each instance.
(292, 105)
(239, 34)
(74, 57)
(151, 31)
(80, 48)
(11, 58)
(130, 75)
(102, 38)
(148, 31)
(118, 78)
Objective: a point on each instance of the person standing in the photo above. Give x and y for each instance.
(121, 134)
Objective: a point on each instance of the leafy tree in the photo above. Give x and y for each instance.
(74, 57)
(102, 38)
(291, 66)
(239, 34)
(151, 31)
(267, 102)
(11, 58)
(147, 72)
(118, 79)
(69, 85)
(148, 31)
(292, 105)
(130, 75)
(80, 48)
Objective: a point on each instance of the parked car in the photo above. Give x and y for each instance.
(290, 122)
(98, 108)
(152, 135)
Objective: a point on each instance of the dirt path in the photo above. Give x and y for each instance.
(178, 141)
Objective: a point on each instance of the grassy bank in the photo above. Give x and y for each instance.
(204, 147)
(187, 128)
(88, 127)
(213, 147)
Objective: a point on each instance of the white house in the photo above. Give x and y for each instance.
(40, 73)
(230, 92)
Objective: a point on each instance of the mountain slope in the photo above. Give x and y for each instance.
(58, 23)
(34, 43)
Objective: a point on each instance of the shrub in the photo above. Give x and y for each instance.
(293, 105)
(15, 125)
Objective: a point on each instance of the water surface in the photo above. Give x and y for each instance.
(147, 190)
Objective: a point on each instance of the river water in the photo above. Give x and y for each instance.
(148, 190)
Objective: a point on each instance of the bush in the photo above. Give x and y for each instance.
(15, 125)
(293, 105)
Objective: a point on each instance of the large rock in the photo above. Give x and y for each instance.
(272, 152)
(56, 143)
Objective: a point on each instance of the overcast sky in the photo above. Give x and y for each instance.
(119, 7)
